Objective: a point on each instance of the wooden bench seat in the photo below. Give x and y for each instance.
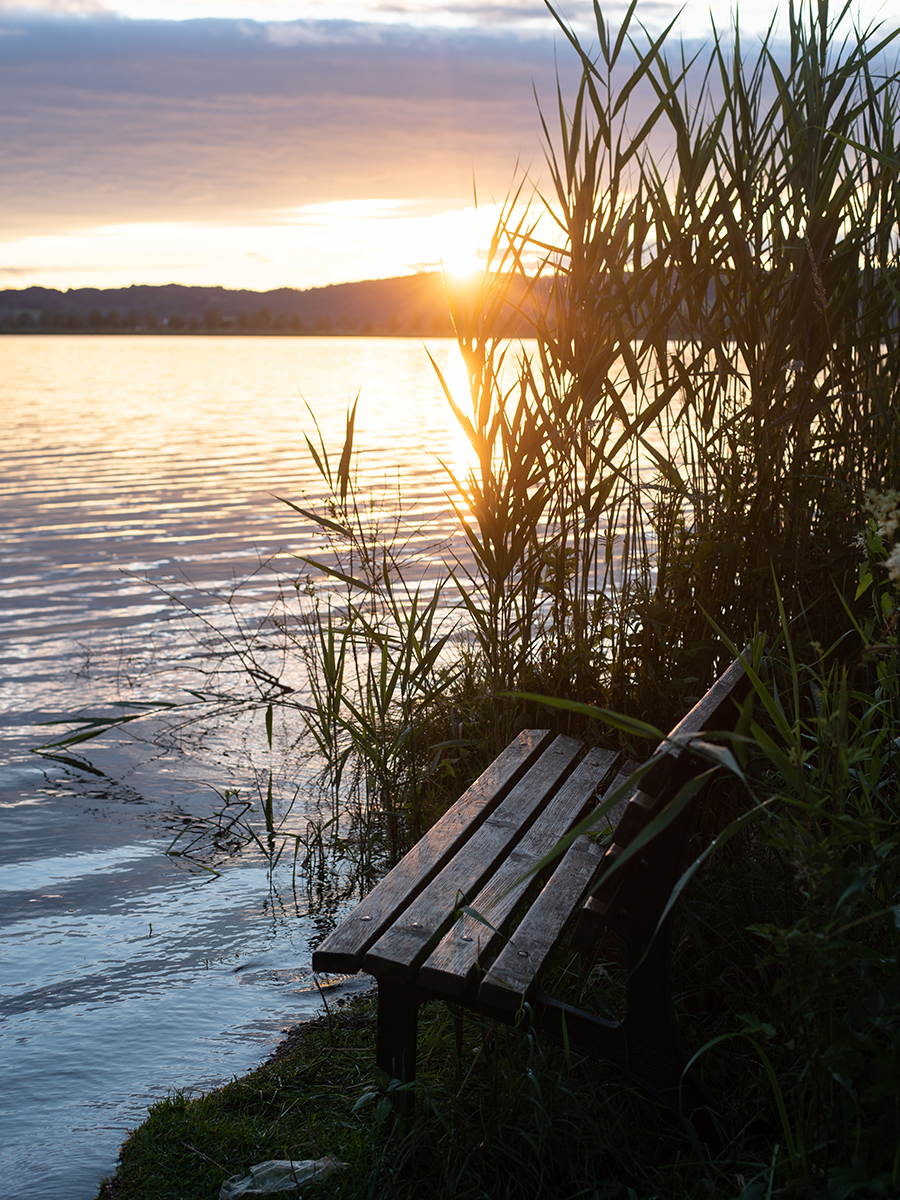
(412, 936)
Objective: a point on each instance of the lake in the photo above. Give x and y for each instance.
(140, 491)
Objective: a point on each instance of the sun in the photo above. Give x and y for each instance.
(461, 267)
(460, 234)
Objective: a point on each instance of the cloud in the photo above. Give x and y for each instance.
(108, 120)
(54, 7)
(416, 12)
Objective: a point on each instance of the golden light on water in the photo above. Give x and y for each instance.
(464, 459)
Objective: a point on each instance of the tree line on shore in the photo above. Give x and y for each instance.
(412, 306)
(213, 321)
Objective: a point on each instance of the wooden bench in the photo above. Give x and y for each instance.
(410, 933)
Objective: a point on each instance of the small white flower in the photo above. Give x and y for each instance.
(885, 508)
(892, 562)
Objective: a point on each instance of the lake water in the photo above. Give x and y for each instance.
(139, 488)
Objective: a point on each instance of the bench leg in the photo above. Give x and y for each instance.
(655, 1053)
(397, 1031)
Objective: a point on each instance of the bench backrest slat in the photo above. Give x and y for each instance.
(344, 948)
(715, 710)
(676, 764)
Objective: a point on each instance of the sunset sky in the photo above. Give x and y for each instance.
(262, 143)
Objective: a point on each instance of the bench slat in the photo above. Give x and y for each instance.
(512, 974)
(657, 788)
(714, 710)
(454, 962)
(344, 948)
(399, 951)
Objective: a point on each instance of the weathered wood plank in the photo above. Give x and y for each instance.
(714, 710)
(400, 950)
(521, 960)
(715, 707)
(453, 963)
(344, 948)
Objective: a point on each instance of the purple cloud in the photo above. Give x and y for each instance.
(105, 119)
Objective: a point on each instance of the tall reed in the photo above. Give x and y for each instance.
(714, 381)
(716, 375)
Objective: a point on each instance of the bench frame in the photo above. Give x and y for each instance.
(416, 932)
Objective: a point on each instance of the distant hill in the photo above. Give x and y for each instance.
(411, 305)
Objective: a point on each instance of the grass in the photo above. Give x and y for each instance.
(512, 1118)
(786, 980)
